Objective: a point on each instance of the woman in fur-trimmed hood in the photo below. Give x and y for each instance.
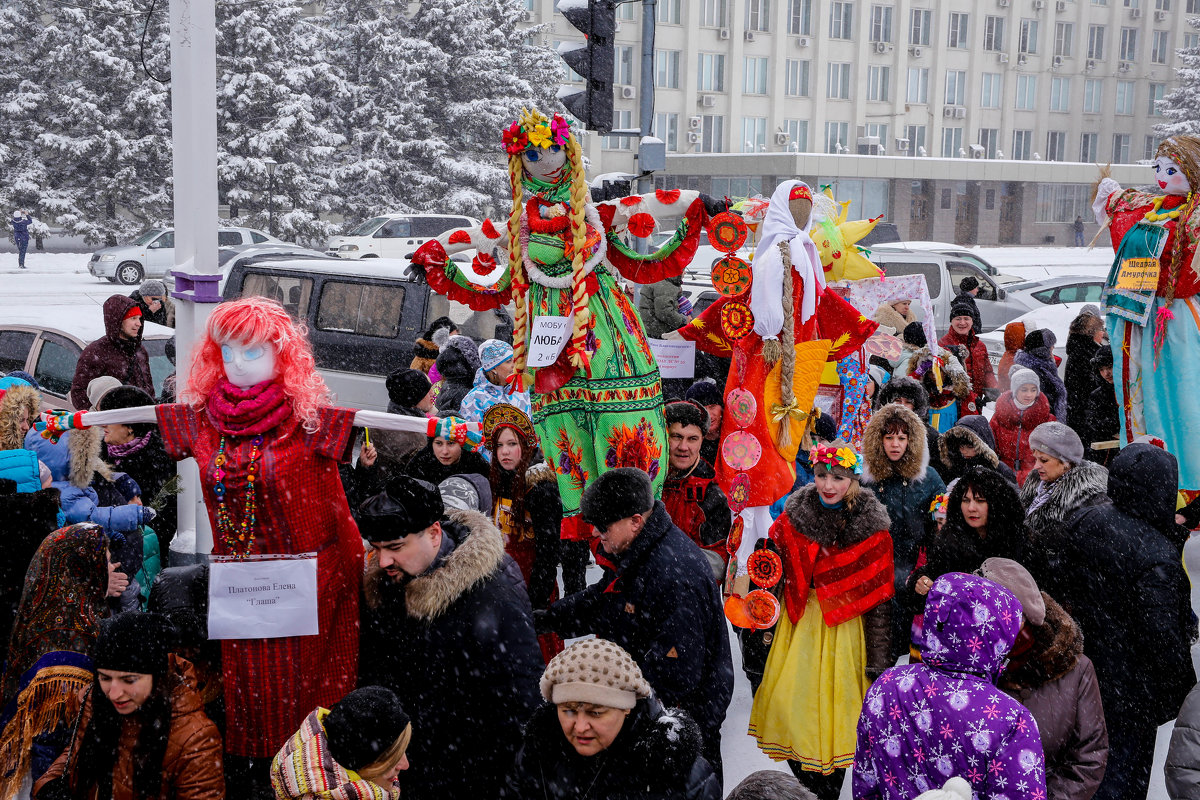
(895, 314)
(972, 435)
(950, 395)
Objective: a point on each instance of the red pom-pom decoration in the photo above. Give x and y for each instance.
(765, 568)
(483, 264)
(667, 196)
(489, 230)
(460, 237)
(641, 225)
(632, 200)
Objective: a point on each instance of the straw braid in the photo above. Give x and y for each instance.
(579, 199)
(516, 270)
(788, 341)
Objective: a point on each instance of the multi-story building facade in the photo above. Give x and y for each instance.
(1071, 81)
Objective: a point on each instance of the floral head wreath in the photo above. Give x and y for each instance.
(937, 508)
(535, 129)
(837, 457)
(504, 415)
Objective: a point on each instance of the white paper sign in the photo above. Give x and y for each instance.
(262, 597)
(547, 339)
(675, 359)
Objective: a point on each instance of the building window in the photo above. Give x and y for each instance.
(956, 87)
(916, 139)
(668, 12)
(1062, 202)
(1064, 39)
(957, 34)
(1060, 94)
(989, 140)
(993, 33)
(1160, 47)
(838, 85)
(666, 69)
(1125, 97)
(623, 65)
(713, 13)
(1026, 92)
(800, 17)
(920, 26)
(1029, 36)
(626, 11)
(666, 127)
(1056, 146)
(952, 143)
(841, 21)
(754, 75)
(879, 132)
(797, 133)
(1089, 148)
(879, 83)
(1093, 97)
(918, 85)
(836, 136)
(712, 134)
(881, 23)
(622, 120)
(1129, 44)
(712, 72)
(1131, 3)
(1149, 147)
(758, 15)
(1022, 149)
(1162, 5)
(795, 78)
(1096, 42)
(990, 94)
(736, 187)
(754, 134)
(1191, 40)
(1121, 148)
(1157, 90)
(947, 199)
(1193, 6)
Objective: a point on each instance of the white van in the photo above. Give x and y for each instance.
(394, 235)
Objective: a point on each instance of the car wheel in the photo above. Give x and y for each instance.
(129, 273)
(111, 279)
(371, 255)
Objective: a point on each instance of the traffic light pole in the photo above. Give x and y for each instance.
(646, 109)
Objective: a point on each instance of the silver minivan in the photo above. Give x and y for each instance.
(152, 254)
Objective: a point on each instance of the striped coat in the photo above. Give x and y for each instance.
(305, 769)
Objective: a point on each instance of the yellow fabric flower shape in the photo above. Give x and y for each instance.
(540, 135)
(846, 457)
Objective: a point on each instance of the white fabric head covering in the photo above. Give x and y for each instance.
(767, 288)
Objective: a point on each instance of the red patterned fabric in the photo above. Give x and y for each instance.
(850, 581)
(842, 324)
(1127, 209)
(271, 685)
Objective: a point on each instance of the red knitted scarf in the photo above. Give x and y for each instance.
(247, 412)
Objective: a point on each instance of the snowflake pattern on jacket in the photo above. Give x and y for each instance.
(924, 723)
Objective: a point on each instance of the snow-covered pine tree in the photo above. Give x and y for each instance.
(275, 99)
(1181, 106)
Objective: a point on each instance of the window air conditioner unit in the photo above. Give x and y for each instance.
(1091, 64)
(1021, 59)
(915, 52)
(1060, 6)
(1161, 16)
(902, 145)
(1058, 61)
(526, 16)
(960, 113)
(948, 111)
(881, 47)
(628, 92)
(1038, 5)
(781, 138)
(708, 100)
(803, 41)
(723, 33)
(693, 137)
(749, 36)
(694, 123)
(1002, 3)
(1125, 66)
(1002, 58)
(1135, 13)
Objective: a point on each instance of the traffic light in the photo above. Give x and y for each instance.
(594, 61)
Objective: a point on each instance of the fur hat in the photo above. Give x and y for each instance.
(961, 308)
(364, 725)
(1058, 440)
(1103, 358)
(439, 329)
(687, 412)
(595, 671)
(825, 428)
(910, 389)
(407, 387)
(615, 495)
(98, 386)
(407, 506)
(493, 353)
(967, 284)
(152, 288)
(425, 349)
(705, 392)
(1042, 337)
(466, 493)
(1016, 579)
(136, 641)
(914, 335)
(465, 345)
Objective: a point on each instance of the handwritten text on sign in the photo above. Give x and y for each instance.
(547, 338)
(675, 359)
(1139, 274)
(263, 597)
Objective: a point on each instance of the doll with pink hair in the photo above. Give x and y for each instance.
(257, 418)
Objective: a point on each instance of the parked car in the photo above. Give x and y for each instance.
(152, 254)
(49, 350)
(394, 235)
(958, 252)
(1055, 317)
(1060, 289)
(362, 319)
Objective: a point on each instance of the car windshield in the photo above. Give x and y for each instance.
(368, 227)
(146, 237)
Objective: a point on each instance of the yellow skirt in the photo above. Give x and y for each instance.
(808, 705)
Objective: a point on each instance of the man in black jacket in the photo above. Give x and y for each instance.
(1119, 575)
(691, 494)
(659, 602)
(447, 626)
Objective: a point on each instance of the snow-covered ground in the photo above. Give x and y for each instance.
(61, 281)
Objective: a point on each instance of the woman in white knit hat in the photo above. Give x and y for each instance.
(603, 735)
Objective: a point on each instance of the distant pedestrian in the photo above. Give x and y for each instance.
(20, 223)
(1077, 226)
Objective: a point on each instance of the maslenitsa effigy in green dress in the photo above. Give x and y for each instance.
(596, 395)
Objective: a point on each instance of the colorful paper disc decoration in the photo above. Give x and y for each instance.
(731, 276)
(741, 450)
(736, 319)
(727, 231)
(739, 495)
(884, 346)
(735, 534)
(763, 609)
(741, 407)
(765, 568)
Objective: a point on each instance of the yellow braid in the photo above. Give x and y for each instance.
(516, 267)
(579, 198)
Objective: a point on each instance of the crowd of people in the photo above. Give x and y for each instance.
(1000, 600)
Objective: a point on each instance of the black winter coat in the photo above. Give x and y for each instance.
(28, 517)
(1102, 417)
(1080, 380)
(425, 466)
(458, 378)
(656, 756)
(662, 605)
(973, 431)
(152, 468)
(1119, 576)
(457, 646)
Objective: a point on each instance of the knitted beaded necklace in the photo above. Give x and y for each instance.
(238, 538)
(1156, 216)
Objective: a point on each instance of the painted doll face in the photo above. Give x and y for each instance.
(1170, 177)
(248, 365)
(544, 163)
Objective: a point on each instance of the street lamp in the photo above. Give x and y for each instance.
(271, 164)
